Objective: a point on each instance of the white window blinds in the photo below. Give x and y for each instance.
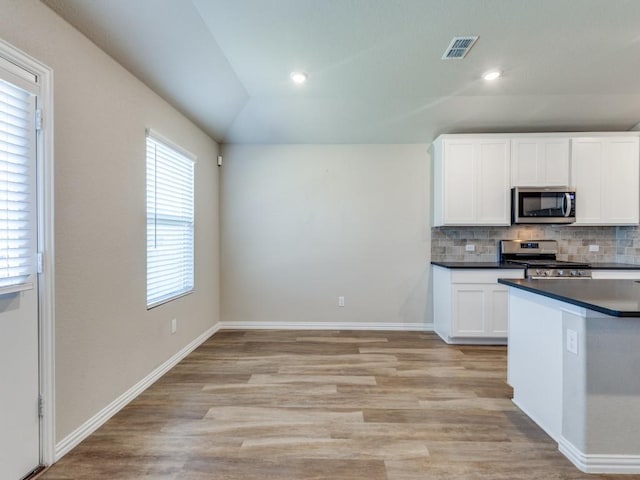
(17, 186)
(170, 205)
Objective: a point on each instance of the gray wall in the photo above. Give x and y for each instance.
(106, 340)
(601, 385)
(303, 224)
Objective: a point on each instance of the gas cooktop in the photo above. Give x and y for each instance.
(548, 263)
(539, 259)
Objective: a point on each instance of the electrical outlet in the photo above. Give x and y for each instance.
(572, 341)
(341, 301)
(470, 247)
(594, 248)
(174, 325)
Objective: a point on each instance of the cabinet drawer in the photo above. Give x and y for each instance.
(616, 274)
(484, 276)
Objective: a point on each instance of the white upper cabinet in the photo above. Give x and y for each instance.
(539, 162)
(605, 172)
(471, 181)
(473, 175)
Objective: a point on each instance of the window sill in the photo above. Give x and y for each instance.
(16, 288)
(167, 300)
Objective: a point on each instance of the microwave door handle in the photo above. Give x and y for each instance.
(566, 205)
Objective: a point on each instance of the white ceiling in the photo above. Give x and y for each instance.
(375, 68)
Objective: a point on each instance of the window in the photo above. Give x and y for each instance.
(170, 193)
(17, 188)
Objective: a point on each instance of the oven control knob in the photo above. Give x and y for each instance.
(573, 273)
(580, 273)
(547, 273)
(560, 273)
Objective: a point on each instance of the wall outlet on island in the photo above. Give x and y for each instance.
(341, 301)
(174, 325)
(594, 248)
(470, 247)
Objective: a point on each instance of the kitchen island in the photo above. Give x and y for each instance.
(574, 365)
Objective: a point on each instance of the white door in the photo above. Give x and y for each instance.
(19, 362)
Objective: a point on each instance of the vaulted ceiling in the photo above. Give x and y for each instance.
(375, 68)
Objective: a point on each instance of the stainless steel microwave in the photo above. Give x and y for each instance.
(554, 205)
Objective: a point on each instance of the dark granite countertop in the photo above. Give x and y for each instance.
(618, 298)
(490, 265)
(614, 266)
(482, 265)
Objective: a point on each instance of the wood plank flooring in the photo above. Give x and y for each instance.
(337, 405)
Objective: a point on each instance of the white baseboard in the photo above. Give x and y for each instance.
(405, 327)
(95, 422)
(543, 425)
(473, 340)
(590, 463)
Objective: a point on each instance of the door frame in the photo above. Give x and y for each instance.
(45, 224)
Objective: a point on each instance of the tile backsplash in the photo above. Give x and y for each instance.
(628, 245)
(616, 244)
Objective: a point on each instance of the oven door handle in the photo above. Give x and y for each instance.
(566, 205)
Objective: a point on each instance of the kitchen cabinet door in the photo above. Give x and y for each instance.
(586, 166)
(471, 181)
(460, 183)
(480, 310)
(470, 309)
(621, 182)
(539, 162)
(492, 178)
(499, 314)
(606, 175)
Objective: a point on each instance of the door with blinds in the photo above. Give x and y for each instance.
(19, 363)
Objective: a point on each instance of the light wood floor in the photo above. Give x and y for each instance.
(324, 405)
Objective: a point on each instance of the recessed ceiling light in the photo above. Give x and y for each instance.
(299, 77)
(492, 75)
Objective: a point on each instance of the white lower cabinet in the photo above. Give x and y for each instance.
(470, 306)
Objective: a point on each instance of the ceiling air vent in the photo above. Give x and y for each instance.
(458, 48)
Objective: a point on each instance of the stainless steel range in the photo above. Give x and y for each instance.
(539, 259)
